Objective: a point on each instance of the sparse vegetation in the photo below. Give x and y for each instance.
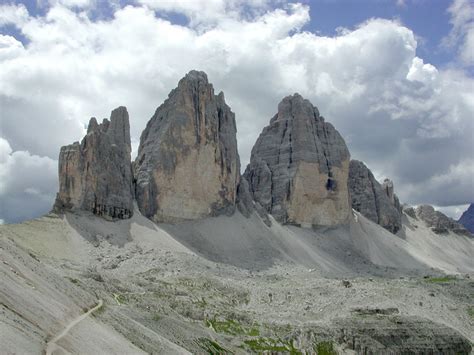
(231, 327)
(443, 279)
(120, 299)
(270, 344)
(74, 281)
(211, 346)
(470, 311)
(254, 332)
(325, 348)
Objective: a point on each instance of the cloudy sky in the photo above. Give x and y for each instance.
(395, 77)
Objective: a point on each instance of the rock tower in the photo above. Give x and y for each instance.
(96, 174)
(187, 165)
(299, 167)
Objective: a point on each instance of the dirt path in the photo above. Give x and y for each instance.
(52, 346)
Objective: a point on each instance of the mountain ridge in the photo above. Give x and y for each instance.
(188, 166)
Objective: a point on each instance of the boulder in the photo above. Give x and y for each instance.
(375, 201)
(187, 165)
(96, 175)
(299, 167)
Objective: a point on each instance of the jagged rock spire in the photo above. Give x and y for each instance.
(95, 175)
(375, 201)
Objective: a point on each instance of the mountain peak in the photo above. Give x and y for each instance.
(299, 167)
(187, 165)
(195, 76)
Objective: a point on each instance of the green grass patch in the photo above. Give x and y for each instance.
(443, 279)
(470, 311)
(325, 348)
(253, 332)
(211, 346)
(270, 344)
(120, 299)
(232, 327)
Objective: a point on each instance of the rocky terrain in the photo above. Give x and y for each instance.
(467, 218)
(375, 201)
(177, 253)
(439, 222)
(233, 284)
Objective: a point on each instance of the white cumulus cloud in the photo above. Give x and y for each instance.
(13, 14)
(28, 184)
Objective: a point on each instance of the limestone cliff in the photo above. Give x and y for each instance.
(375, 201)
(96, 175)
(187, 165)
(299, 167)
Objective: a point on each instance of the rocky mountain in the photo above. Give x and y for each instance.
(299, 167)
(439, 222)
(375, 201)
(240, 282)
(467, 218)
(188, 166)
(96, 175)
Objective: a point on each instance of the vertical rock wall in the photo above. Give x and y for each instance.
(95, 175)
(187, 165)
(375, 201)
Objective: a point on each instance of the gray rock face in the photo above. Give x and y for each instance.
(246, 205)
(439, 222)
(96, 175)
(299, 167)
(187, 165)
(375, 201)
(410, 211)
(467, 218)
(387, 186)
(399, 334)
